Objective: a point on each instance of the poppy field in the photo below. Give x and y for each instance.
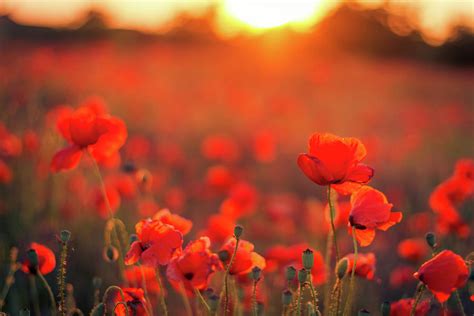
(185, 178)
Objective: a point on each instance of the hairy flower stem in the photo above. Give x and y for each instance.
(332, 212)
(34, 294)
(351, 294)
(335, 298)
(111, 216)
(162, 292)
(203, 301)
(254, 298)
(226, 277)
(62, 279)
(314, 294)
(10, 278)
(327, 266)
(419, 293)
(459, 302)
(299, 299)
(145, 290)
(50, 293)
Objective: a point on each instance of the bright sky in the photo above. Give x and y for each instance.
(435, 16)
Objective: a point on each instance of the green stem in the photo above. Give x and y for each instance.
(327, 265)
(226, 276)
(418, 295)
(50, 293)
(34, 294)
(314, 294)
(9, 279)
(350, 295)
(333, 227)
(254, 299)
(203, 301)
(300, 298)
(458, 300)
(62, 279)
(187, 305)
(162, 293)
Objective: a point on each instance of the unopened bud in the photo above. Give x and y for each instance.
(308, 259)
(290, 273)
(65, 235)
(341, 268)
(110, 254)
(238, 230)
(431, 239)
(255, 273)
(133, 238)
(302, 276)
(385, 309)
(286, 297)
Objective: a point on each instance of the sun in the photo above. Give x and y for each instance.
(264, 14)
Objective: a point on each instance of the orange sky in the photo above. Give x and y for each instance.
(434, 16)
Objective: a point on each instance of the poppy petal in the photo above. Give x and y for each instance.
(66, 158)
(133, 254)
(395, 217)
(365, 237)
(314, 169)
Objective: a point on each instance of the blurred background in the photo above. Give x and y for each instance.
(251, 80)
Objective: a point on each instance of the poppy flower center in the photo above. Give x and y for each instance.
(188, 276)
(357, 226)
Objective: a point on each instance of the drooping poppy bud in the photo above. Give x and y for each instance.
(341, 268)
(110, 254)
(431, 240)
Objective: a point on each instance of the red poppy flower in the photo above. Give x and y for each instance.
(219, 178)
(5, 173)
(100, 204)
(85, 129)
(46, 260)
(178, 222)
(264, 146)
(219, 228)
(245, 259)
(335, 161)
(443, 274)
(31, 141)
(156, 245)
(365, 265)
(401, 276)
(371, 210)
(242, 201)
(193, 267)
(10, 145)
(135, 300)
(137, 276)
(413, 249)
(403, 307)
(220, 147)
(124, 184)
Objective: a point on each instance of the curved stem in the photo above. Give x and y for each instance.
(203, 301)
(50, 293)
(187, 305)
(418, 295)
(226, 276)
(254, 299)
(333, 227)
(162, 292)
(106, 295)
(314, 294)
(124, 305)
(34, 294)
(350, 295)
(458, 300)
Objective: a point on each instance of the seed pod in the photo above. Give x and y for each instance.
(238, 230)
(255, 273)
(308, 259)
(431, 239)
(286, 297)
(65, 235)
(290, 273)
(302, 276)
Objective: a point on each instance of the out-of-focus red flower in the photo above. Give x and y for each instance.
(219, 228)
(175, 199)
(414, 249)
(137, 148)
(370, 211)
(135, 300)
(46, 260)
(147, 207)
(365, 265)
(100, 204)
(219, 178)
(178, 222)
(124, 184)
(419, 222)
(403, 307)
(449, 194)
(335, 161)
(220, 147)
(193, 267)
(10, 144)
(401, 276)
(245, 259)
(242, 201)
(443, 274)
(156, 245)
(281, 207)
(31, 141)
(6, 174)
(279, 256)
(264, 146)
(137, 276)
(86, 129)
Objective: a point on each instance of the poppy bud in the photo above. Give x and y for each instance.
(431, 239)
(110, 254)
(302, 276)
(97, 282)
(33, 259)
(65, 235)
(223, 255)
(238, 230)
(385, 309)
(213, 302)
(341, 268)
(290, 273)
(286, 297)
(25, 312)
(255, 274)
(363, 312)
(308, 259)
(133, 238)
